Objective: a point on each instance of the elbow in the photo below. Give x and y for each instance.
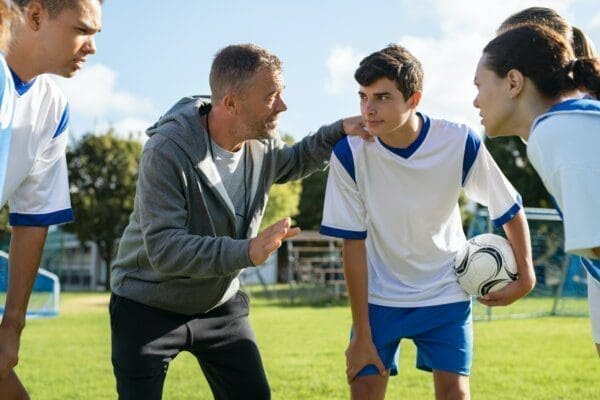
(528, 281)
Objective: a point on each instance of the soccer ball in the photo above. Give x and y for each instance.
(485, 264)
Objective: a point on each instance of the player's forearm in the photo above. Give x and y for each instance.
(517, 232)
(355, 271)
(25, 252)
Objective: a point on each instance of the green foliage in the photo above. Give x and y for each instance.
(510, 154)
(311, 201)
(283, 199)
(4, 226)
(102, 175)
(303, 351)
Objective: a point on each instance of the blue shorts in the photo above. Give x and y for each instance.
(443, 336)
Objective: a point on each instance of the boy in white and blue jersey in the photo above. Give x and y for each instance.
(524, 79)
(49, 37)
(394, 201)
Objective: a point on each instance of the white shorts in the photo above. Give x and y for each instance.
(594, 300)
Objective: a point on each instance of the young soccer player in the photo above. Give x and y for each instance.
(50, 36)
(394, 201)
(524, 79)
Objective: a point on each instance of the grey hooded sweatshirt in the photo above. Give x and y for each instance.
(180, 251)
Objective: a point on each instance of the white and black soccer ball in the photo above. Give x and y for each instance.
(485, 264)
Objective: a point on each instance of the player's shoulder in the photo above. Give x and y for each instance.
(50, 90)
(451, 131)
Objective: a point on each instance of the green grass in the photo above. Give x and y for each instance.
(68, 357)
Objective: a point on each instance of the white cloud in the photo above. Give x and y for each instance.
(127, 128)
(449, 59)
(341, 64)
(93, 93)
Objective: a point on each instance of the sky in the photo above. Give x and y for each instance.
(150, 53)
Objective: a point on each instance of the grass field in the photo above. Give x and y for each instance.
(68, 357)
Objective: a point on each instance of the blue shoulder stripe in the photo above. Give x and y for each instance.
(472, 145)
(592, 267)
(53, 218)
(63, 123)
(343, 152)
(585, 105)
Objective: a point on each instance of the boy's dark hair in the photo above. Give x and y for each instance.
(395, 63)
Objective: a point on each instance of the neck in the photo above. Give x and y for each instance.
(405, 134)
(527, 113)
(21, 59)
(222, 132)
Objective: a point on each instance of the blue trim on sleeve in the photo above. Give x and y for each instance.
(20, 86)
(510, 214)
(342, 233)
(592, 267)
(410, 150)
(472, 145)
(64, 122)
(343, 152)
(53, 218)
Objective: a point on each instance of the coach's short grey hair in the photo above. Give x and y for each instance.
(235, 65)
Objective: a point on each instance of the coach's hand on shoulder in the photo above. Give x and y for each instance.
(9, 349)
(360, 353)
(354, 126)
(270, 239)
(508, 295)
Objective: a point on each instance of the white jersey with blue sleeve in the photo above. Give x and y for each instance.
(404, 203)
(7, 102)
(36, 184)
(563, 148)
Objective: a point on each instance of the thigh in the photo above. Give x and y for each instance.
(445, 342)
(386, 330)
(226, 349)
(144, 341)
(11, 388)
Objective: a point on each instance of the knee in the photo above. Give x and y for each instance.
(457, 393)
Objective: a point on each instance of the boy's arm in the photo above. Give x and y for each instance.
(361, 350)
(26, 245)
(517, 232)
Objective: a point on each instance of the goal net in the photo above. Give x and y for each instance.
(561, 287)
(44, 300)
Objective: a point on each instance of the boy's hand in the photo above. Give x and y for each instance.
(360, 353)
(508, 295)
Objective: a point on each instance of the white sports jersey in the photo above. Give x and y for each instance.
(563, 147)
(404, 202)
(7, 101)
(36, 184)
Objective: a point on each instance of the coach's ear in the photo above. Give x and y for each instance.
(515, 81)
(414, 100)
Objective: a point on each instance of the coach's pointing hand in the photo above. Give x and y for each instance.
(270, 239)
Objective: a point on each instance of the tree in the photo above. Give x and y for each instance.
(510, 154)
(102, 175)
(283, 199)
(311, 201)
(4, 226)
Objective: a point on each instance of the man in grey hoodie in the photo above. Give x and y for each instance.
(204, 180)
